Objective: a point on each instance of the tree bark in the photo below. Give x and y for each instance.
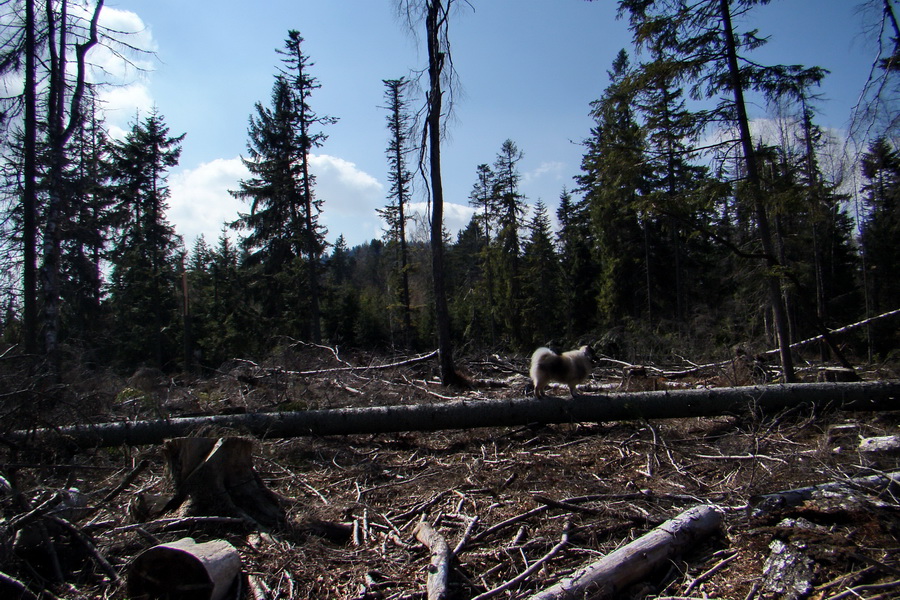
(184, 569)
(767, 503)
(666, 404)
(439, 566)
(434, 21)
(614, 572)
(216, 478)
(29, 192)
(773, 284)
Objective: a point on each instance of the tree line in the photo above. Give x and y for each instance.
(684, 232)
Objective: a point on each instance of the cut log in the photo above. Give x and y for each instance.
(664, 404)
(611, 574)
(184, 569)
(216, 478)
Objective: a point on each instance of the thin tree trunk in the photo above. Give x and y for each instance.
(773, 284)
(29, 174)
(433, 22)
(667, 404)
(59, 135)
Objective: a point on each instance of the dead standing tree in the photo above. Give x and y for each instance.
(436, 14)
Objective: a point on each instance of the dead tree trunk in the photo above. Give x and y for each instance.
(612, 573)
(439, 567)
(665, 404)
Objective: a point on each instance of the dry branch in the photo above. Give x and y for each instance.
(612, 573)
(533, 568)
(840, 330)
(439, 569)
(394, 365)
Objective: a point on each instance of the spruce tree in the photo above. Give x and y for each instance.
(881, 226)
(703, 50)
(89, 222)
(302, 84)
(483, 198)
(674, 207)
(145, 258)
(613, 179)
(284, 238)
(578, 273)
(509, 210)
(542, 316)
(395, 214)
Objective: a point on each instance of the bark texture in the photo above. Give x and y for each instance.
(611, 574)
(665, 404)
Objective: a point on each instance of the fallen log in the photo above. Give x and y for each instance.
(184, 569)
(767, 503)
(614, 572)
(465, 414)
(439, 566)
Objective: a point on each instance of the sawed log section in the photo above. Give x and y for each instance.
(614, 572)
(470, 414)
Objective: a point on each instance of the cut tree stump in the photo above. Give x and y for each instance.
(470, 414)
(216, 478)
(611, 574)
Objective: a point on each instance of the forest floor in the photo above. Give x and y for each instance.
(501, 497)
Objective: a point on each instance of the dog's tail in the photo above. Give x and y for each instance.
(537, 358)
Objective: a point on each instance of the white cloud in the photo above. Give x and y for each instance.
(122, 104)
(199, 201)
(350, 198)
(456, 217)
(553, 169)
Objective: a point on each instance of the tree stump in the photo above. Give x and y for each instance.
(216, 478)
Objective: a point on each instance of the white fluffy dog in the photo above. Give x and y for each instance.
(571, 368)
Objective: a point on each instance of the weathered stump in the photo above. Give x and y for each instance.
(216, 478)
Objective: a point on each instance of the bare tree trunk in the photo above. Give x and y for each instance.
(29, 174)
(666, 404)
(439, 569)
(773, 284)
(59, 134)
(434, 21)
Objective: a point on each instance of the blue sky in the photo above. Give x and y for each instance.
(528, 69)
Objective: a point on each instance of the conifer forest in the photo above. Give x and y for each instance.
(667, 240)
(691, 251)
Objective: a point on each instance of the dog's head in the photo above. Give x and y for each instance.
(588, 352)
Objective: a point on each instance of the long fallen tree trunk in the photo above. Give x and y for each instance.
(614, 572)
(464, 414)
